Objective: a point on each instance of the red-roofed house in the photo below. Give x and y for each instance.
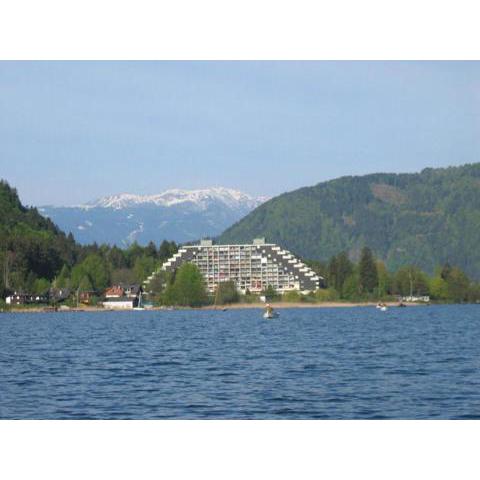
(114, 292)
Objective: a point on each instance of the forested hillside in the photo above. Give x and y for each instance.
(31, 246)
(424, 219)
(35, 254)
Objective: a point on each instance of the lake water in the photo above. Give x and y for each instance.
(328, 363)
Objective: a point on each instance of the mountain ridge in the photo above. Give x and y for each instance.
(175, 214)
(175, 196)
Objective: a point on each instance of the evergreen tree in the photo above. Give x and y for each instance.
(367, 271)
(320, 268)
(63, 279)
(332, 273)
(173, 248)
(116, 258)
(85, 284)
(123, 276)
(445, 272)
(384, 279)
(166, 250)
(132, 253)
(41, 286)
(144, 266)
(151, 250)
(458, 285)
(30, 282)
(339, 269)
(352, 287)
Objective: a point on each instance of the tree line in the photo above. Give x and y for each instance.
(343, 279)
(370, 280)
(102, 266)
(35, 255)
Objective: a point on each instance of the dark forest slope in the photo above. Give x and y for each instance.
(30, 245)
(426, 218)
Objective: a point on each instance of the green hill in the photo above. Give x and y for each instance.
(31, 246)
(425, 219)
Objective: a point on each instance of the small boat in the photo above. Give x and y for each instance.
(382, 307)
(269, 312)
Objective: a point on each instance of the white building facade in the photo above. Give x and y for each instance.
(120, 303)
(253, 267)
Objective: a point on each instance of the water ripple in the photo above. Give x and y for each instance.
(308, 364)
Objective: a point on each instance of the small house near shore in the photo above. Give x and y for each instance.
(23, 298)
(57, 295)
(122, 297)
(122, 303)
(86, 297)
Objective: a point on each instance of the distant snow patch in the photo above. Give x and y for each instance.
(201, 198)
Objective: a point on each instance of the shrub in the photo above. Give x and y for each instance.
(188, 288)
(226, 293)
(292, 297)
(250, 298)
(326, 295)
(3, 306)
(270, 294)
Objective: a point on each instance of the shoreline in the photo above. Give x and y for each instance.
(282, 305)
(233, 306)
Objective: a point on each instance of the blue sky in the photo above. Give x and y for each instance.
(74, 131)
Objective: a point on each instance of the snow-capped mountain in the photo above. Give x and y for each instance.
(180, 215)
(200, 198)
